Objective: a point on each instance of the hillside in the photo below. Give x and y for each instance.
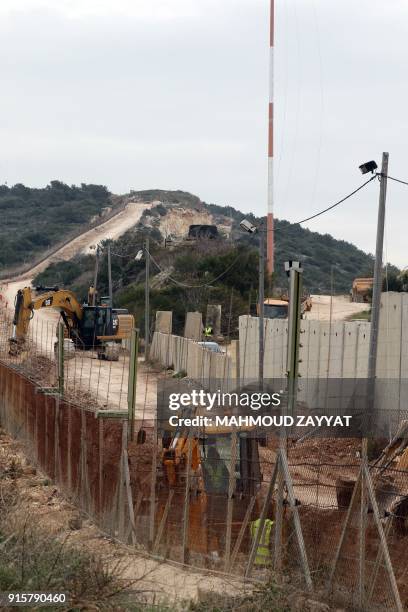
(187, 275)
(35, 220)
(321, 255)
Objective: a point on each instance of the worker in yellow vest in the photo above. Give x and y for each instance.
(216, 475)
(208, 331)
(263, 553)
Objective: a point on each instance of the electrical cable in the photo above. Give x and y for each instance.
(123, 256)
(335, 204)
(393, 179)
(187, 286)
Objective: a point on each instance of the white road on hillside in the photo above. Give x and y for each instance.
(342, 308)
(106, 381)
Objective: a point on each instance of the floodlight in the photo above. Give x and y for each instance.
(370, 166)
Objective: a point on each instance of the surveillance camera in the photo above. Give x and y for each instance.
(370, 166)
(249, 227)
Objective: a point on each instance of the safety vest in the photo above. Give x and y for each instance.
(217, 475)
(207, 331)
(263, 555)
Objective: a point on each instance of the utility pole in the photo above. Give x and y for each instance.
(110, 276)
(372, 363)
(249, 227)
(96, 274)
(261, 233)
(377, 281)
(147, 298)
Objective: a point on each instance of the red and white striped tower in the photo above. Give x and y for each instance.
(270, 235)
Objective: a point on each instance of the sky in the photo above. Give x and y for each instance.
(173, 94)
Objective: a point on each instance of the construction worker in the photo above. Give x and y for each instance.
(263, 553)
(208, 331)
(216, 479)
(216, 475)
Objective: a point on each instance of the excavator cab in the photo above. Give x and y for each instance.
(97, 322)
(246, 461)
(214, 448)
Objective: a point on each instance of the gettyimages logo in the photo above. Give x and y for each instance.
(210, 401)
(323, 407)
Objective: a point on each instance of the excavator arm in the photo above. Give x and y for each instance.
(175, 458)
(59, 299)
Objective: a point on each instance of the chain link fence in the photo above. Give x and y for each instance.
(200, 506)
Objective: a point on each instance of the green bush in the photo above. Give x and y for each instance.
(33, 219)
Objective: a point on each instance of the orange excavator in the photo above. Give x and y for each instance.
(215, 462)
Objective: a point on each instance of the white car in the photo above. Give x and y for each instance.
(214, 347)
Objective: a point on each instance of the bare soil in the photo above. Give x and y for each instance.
(341, 308)
(43, 503)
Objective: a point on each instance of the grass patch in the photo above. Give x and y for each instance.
(32, 559)
(268, 597)
(364, 315)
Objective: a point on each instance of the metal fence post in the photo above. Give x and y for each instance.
(186, 510)
(134, 347)
(230, 505)
(61, 358)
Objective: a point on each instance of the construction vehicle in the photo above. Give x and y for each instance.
(275, 309)
(391, 496)
(211, 449)
(201, 231)
(361, 290)
(387, 470)
(279, 308)
(99, 327)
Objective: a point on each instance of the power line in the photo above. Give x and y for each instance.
(187, 286)
(124, 256)
(391, 178)
(335, 204)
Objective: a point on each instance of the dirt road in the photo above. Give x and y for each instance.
(112, 228)
(342, 308)
(105, 381)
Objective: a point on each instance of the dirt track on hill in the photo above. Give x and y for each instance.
(106, 381)
(112, 228)
(342, 308)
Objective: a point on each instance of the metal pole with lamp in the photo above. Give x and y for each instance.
(146, 253)
(250, 228)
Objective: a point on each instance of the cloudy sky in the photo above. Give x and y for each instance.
(172, 94)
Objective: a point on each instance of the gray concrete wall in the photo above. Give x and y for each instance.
(392, 356)
(334, 350)
(193, 328)
(185, 355)
(164, 321)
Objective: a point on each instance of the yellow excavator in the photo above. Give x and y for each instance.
(88, 327)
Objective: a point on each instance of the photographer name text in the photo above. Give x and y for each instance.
(261, 421)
